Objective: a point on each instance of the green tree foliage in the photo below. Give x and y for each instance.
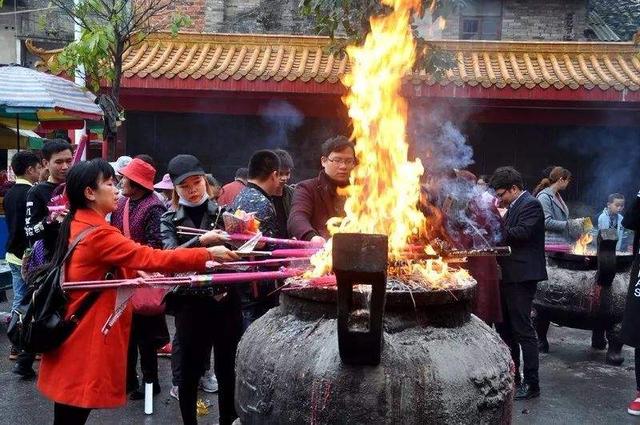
(349, 19)
(108, 29)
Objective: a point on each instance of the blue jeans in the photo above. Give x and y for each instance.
(19, 285)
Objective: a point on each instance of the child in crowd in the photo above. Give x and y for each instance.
(612, 219)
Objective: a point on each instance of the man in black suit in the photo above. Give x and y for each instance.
(521, 272)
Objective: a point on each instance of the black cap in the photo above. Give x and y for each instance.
(183, 166)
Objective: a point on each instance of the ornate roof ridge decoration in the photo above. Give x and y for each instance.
(260, 57)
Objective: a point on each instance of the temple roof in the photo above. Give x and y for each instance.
(210, 58)
(621, 16)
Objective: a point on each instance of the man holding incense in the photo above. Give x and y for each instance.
(264, 182)
(521, 272)
(317, 200)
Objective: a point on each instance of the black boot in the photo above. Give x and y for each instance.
(614, 357)
(527, 391)
(598, 341)
(139, 393)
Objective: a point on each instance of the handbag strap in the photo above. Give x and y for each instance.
(76, 241)
(92, 297)
(125, 219)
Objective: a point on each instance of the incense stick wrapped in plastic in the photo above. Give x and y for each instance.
(195, 280)
(243, 237)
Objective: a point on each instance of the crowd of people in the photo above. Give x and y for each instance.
(121, 220)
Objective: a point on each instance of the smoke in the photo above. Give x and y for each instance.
(439, 143)
(280, 119)
(472, 218)
(606, 159)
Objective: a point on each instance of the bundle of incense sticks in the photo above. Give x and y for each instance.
(242, 237)
(498, 251)
(558, 248)
(258, 263)
(299, 253)
(193, 281)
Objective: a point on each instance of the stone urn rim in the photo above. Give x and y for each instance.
(400, 300)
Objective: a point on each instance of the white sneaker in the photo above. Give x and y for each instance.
(174, 392)
(209, 383)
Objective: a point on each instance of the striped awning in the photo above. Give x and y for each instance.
(11, 138)
(46, 96)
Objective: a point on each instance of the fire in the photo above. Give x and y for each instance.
(581, 244)
(385, 186)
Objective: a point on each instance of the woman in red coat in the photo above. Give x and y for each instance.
(88, 370)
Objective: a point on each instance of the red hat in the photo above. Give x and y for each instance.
(140, 172)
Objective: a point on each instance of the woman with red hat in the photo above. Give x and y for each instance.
(138, 217)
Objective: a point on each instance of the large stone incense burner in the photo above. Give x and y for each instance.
(358, 354)
(586, 292)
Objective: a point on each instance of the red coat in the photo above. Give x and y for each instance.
(314, 202)
(89, 369)
(230, 191)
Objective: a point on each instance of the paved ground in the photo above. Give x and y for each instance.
(577, 388)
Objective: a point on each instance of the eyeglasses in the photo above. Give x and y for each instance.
(349, 162)
(501, 194)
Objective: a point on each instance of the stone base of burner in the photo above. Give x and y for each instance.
(288, 368)
(573, 298)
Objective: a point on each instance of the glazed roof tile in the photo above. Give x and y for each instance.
(487, 64)
(622, 16)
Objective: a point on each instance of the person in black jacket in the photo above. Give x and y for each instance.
(39, 225)
(204, 317)
(631, 319)
(284, 193)
(27, 167)
(521, 272)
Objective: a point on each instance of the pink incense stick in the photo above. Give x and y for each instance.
(285, 242)
(293, 252)
(196, 280)
(242, 237)
(258, 263)
(558, 248)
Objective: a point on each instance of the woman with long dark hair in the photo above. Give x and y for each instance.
(88, 370)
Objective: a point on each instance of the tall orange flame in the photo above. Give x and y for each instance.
(385, 186)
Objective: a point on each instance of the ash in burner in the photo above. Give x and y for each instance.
(395, 284)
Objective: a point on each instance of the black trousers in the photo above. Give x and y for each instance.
(517, 329)
(637, 361)
(255, 305)
(202, 323)
(64, 414)
(148, 333)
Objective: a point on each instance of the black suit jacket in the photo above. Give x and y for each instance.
(524, 233)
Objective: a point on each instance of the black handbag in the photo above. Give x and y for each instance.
(39, 324)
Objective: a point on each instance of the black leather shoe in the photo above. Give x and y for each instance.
(25, 373)
(526, 392)
(614, 358)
